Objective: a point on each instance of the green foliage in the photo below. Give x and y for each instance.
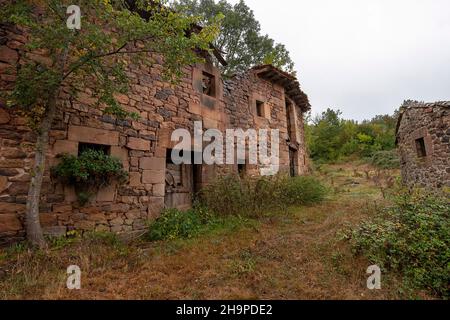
(331, 138)
(252, 197)
(386, 159)
(113, 34)
(61, 242)
(90, 171)
(305, 190)
(413, 238)
(240, 38)
(230, 201)
(107, 238)
(175, 224)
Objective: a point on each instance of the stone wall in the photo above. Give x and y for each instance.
(242, 93)
(423, 139)
(141, 145)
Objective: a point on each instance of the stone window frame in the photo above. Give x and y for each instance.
(422, 133)
(212, 86)
(257, 99)
(78, 134)
(199, 70)
(421, 148)
(260, 109)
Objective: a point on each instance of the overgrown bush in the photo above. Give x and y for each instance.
(175, 224)
(251, 197)
(225, 193)
(411, 237)
(386, 159)
(231, 199)
(90, 171)
(305, 190)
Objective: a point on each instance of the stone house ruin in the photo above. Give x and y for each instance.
(423, 140)
(262, 97)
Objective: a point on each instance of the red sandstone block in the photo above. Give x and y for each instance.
(6, 207)
(159, 190)
(138, 144)
(4, 116)
(9, 222)
(48, 219)
(155, 207)
(135, 179)
(65, 147)
(8, 55)
(152, 163)
(3, 183)
(92, 135)
(154, 176)
(107, 194)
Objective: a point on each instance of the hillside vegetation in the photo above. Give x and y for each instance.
(331, 138)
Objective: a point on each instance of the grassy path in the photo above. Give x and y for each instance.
(292, 256)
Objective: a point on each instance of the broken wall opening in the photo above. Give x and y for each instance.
(183, 182)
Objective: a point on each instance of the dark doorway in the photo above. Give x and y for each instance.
(241, 170)
(292, 167)
(197, 178)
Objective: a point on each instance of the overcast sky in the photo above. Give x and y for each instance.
(363, 56)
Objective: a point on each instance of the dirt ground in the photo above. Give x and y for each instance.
(297, 255)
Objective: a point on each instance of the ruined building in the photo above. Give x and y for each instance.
(423, 140)
(263, 97)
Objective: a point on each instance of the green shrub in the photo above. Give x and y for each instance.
(230, 200)
(413, 238)
(90, 171)
(226, 196)
(305, 190)
(268, 194)
(175, 224)
(252, 197)
(386, 159)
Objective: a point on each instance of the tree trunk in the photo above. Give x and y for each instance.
(33, 226)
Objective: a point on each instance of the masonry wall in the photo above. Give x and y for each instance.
(141, 145)
(430, 123)
(241, 95)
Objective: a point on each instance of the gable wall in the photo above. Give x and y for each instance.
(430, 122)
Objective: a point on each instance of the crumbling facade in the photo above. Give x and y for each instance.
(263, 97)
(423, 140)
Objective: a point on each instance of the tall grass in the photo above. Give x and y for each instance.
(233, 201)
(253, 197)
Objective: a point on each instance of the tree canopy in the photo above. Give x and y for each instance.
(330, 137)
(240, 39)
